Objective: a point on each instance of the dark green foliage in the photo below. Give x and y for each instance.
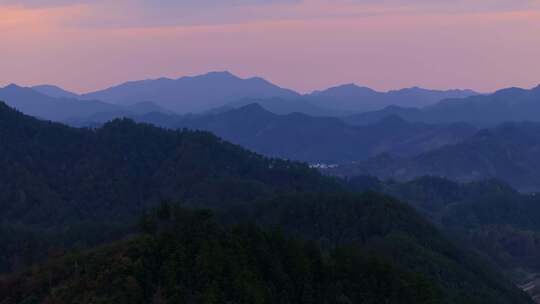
(500, 223)
(52, 173)
(69, 181)
(185, 257)
(61, 185)
(386, 228)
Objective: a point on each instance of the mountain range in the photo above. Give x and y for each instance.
(353, 98)
(60, 108)
(218, 91)
(64, 188)
(512, 104)
(310, 139)
(192, 94)
(490, 216)
(201, 93)
(318, 139)
(508, 152)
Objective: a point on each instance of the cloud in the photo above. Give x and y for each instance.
(165, 13)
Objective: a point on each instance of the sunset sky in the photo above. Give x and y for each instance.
(83, 45)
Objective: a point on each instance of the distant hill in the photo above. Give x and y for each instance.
(352, 98)
(511, 104)
(508, 152)
(37, 104)
(201, 93)
(34, 103)
(500, 223)
(312, 139)
(287, 106)
(192, 94)
(54, 91)
(366, 118)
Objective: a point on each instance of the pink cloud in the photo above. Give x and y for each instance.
(382, 46)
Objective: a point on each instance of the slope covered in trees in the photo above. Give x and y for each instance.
(500, 223)
(386, 228)
(508, 152)
(53, 173)
(311, 139)
(64, 187)
(92, 183)
(392, 256)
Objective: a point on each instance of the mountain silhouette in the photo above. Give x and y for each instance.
(353, 98)
(508, 152)
(192, 94)
(54, 91)
(314, 139)
(40, 105)
(512, 104)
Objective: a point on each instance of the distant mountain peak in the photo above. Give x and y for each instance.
(193, 94)
(12, 86)
(509, 91)
(219, 74)
(352, 86)
(54, 91)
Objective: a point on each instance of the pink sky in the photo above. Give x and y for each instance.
(303, 45)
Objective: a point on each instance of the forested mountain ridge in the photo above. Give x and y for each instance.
(58, 178)
(500, 223)
(390, 255)
(324, 140)
(185, 256)
(353, 98)
(66, 182)
(51, 164)
(511, 104)
(508, 152)
(311, 139)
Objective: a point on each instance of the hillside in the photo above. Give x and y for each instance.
(36, 104)
(66, 182)
(313, 139)
(512, 104)
(49, 103)
(186, 256)
(508, 152)
(47, 164)
(500, 223)
(352, 98)
(65, 188)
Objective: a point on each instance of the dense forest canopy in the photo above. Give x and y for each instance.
(66, 189)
